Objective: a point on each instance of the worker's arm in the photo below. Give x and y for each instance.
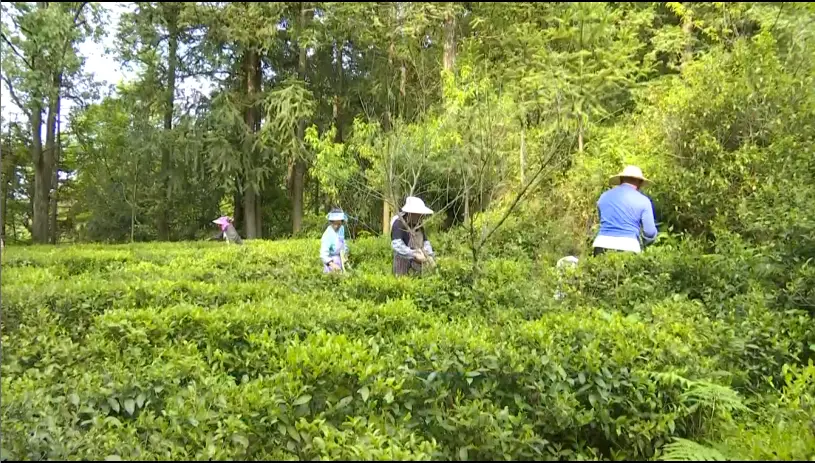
(649, 228)
(398, 242)
(428, 249)
(344, 241)
(325, 247)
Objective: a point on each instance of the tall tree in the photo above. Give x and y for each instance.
(41, 57)
(299, 170)
(252, 75)
(54, 237)
(241, 39)
(153, 36)
(170, 14)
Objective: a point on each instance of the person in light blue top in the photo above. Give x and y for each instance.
(624, 210)
(333, 248)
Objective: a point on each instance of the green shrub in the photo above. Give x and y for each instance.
(206, 351)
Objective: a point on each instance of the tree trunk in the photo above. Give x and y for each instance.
(171, 15)
(249, 208)
(258, 216)
(338, 55)
(28, 221)
(7, 160)
(133, 216)
(255, 91)
(42, 181)
(133, 203)
(316, 196)
(250, 213)
(402, 89)
(297, 203)
(450, 42)
(388, 122)
(55, 184)
(251, 196)
(238, 221)
(403, 65)
(4, 190)
(44, 164)
(687, 31)
(300, 165)
(336, 112)
(523, 151)
(387, 212)
(580, 133)
(386, 218)
(580, 126)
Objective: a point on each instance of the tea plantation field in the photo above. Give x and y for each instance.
(207, 351)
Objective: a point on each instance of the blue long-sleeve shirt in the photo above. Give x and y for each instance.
(623, 210)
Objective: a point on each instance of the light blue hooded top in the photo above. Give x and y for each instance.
(332, 243)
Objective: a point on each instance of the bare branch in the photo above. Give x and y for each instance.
(520, 195)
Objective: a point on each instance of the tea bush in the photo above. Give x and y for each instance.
(207, 351)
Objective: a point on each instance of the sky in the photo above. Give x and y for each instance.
(104, 66)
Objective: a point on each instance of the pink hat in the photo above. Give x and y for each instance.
(223, 220)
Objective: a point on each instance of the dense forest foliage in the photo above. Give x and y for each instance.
(310, 105)
(506, 119)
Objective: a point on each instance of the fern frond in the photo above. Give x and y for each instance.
(671, 378)
(686, 450)
(714, 396)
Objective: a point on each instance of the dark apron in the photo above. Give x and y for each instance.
(407, 266)
(232, 235)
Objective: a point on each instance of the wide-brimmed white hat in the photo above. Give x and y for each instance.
(629, 172)
(414, 205)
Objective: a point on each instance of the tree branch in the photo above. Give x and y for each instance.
(518, 198)
(206, 73)
(14, 97)
(79, 11)
(16, 52)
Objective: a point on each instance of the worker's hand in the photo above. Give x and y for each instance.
(418, 256)
(333, 266)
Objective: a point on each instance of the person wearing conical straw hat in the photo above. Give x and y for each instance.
(229, 233)
(332, 245)
(412, 251)
(624, 210)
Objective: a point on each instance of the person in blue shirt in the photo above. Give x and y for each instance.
(624, 210)
(333, 248)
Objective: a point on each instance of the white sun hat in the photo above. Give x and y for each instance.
(629, 172)
(337, 215)
(414, 205)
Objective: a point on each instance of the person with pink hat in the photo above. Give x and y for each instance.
(229, 233)
(412, 251)
(624, 210)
